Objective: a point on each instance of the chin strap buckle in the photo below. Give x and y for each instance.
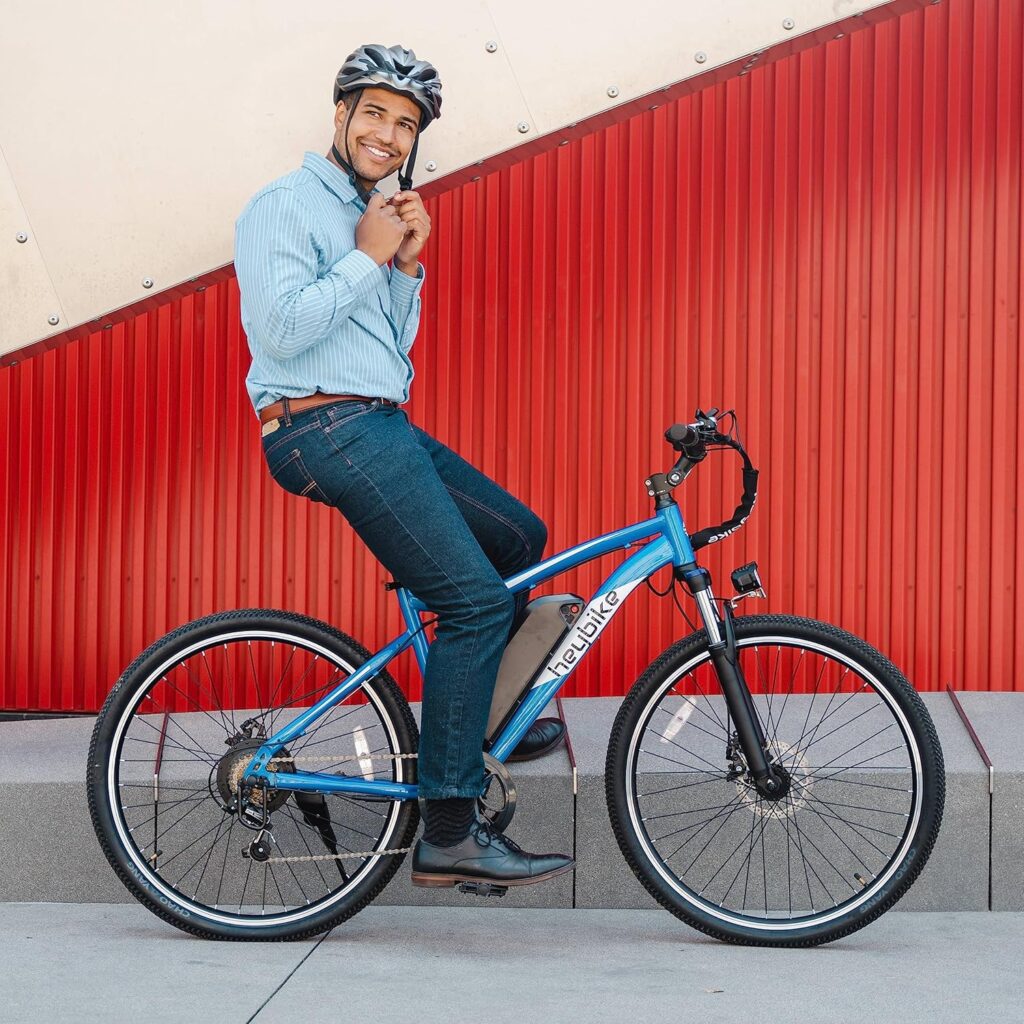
(483, 888)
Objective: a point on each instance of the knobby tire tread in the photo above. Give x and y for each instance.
(384, 683)
(786, 624)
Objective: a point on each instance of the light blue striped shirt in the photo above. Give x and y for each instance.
(318, 313)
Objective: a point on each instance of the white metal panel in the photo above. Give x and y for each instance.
(135, 133)
(568, 55)
(26, 294)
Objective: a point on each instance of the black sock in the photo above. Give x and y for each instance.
(448, 821)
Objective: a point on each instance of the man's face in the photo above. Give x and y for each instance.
(380, 134)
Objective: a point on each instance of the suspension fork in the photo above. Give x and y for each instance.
(722, 647)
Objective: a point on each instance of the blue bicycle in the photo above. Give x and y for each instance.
(770, 780)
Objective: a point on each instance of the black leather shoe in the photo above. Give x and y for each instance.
(485, 855)
(545, 734)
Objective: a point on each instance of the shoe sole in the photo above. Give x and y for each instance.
(449, 881)
(541, 752)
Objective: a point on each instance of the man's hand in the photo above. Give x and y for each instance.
(417, 230)
(380, 230)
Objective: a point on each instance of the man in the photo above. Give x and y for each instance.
(330, 324)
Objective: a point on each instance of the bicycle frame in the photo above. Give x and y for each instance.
(669, 543)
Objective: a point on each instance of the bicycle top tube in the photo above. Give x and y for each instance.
(667, 523)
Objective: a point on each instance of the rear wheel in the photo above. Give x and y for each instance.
(169, 751)
(860, 806)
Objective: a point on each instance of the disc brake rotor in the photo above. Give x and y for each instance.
(792, 762)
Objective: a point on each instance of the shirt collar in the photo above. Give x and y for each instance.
(333, 177)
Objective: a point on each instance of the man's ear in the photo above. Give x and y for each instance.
(339, 115)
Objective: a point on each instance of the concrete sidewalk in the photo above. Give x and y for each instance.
(111, 963)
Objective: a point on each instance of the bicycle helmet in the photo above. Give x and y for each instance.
(399, 70)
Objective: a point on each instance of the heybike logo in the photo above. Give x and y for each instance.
(584, 632)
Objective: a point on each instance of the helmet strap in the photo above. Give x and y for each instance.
(405, 176)
(347, 163)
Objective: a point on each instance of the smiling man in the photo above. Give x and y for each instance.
(330, 279)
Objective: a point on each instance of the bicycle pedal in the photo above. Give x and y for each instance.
(483, 888)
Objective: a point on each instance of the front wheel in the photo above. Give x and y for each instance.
(861, 801)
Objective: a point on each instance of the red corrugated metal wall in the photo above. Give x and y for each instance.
(830, 244)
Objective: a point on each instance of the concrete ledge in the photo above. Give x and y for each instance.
(51, 852)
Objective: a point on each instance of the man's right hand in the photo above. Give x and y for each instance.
(380, 230)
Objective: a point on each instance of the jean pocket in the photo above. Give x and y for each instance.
(290, 472)
(345, 412)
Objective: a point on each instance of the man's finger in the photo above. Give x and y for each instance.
(408, 212)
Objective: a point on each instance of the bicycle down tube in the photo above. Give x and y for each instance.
(669, 544)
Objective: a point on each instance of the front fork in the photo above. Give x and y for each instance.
(722, 647)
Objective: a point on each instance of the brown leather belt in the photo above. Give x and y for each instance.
(296, 405)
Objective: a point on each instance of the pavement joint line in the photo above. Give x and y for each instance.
(291, 974)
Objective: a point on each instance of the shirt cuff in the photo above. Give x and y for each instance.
(358, 271)
(405, 287)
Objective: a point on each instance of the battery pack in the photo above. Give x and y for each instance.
(546, 622)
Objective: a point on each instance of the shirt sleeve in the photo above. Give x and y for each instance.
(287, 305)
(405, 304)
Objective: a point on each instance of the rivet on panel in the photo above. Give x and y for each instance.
(147, 282)
(788, 23)
(21, 236)
(523, 127)
(53, 320)
(700, 56)
(491, 46)
(613, 91)
(564, 142)
(431, 165)
(839, 35)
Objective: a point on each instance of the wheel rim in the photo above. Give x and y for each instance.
(776, 866)
(196, 699)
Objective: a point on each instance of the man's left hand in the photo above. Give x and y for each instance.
(414, 216)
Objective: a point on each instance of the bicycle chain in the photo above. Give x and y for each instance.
(336, 759)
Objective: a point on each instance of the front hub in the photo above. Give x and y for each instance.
(783, 782)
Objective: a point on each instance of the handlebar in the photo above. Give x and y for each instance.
(692, 440)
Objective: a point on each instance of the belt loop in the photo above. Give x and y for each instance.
(287, 412)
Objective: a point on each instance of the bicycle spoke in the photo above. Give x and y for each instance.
(807, 843)
(194, 765)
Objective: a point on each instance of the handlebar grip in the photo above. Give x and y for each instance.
(682, 436)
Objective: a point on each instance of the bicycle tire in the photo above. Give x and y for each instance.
(108, 808)
(924, 806)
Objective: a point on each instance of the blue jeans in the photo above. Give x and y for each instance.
(444, 530)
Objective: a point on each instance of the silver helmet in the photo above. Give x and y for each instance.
(394, 68)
